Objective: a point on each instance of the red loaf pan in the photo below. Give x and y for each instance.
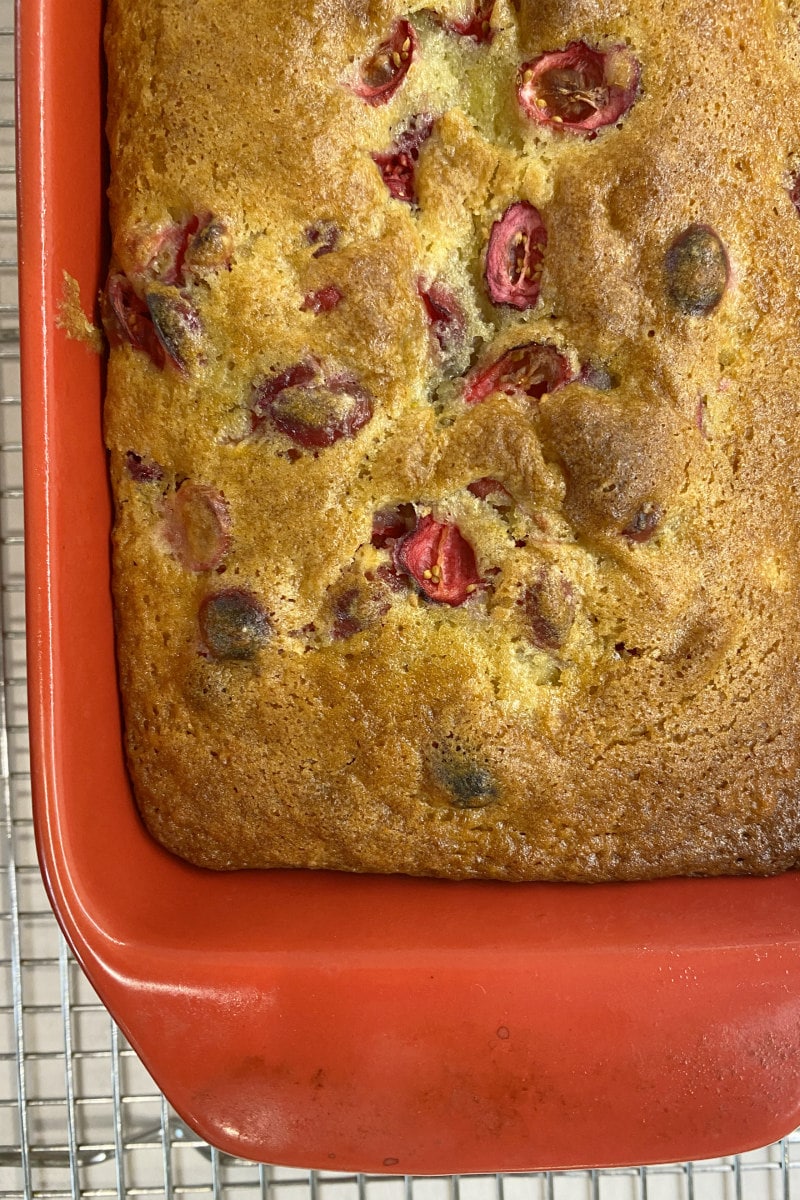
(319, 1020)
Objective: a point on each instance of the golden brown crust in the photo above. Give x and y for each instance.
(618, 696)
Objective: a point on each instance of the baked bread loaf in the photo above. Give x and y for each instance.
(452, 418)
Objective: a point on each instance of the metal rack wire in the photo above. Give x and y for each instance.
(79, 1116)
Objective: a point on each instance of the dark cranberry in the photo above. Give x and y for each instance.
(172, 253)
(324, 235)
(143, 470)
(477, 25)
(312, 408)
(514, 258)
(697, 271)
(388, 524)
(397, 164)
(440, 560)
(382, 73)
(598, 376)
(549, 605)
(346, 620)
(794, 190)
(467, 782)
(197, 526)
(445, 315)
(644, 524)
(233, 624)
(176, 324)
(127, 319)
(209, 247)
(324, 300)
(579, 88)
(532, 370)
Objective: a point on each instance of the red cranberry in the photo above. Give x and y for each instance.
(445, 315)
(312, 408)
(440, 560)
(514, 258)
(142, 470)
(172, 253)
(127, 319)
(644, 524)
(388, 524)
(197, 526)
(579, 88)
(324, 300)
(324, 236)
(382, 73)
(477, 26)
(532, 370)
(397, 164)
(486, 487)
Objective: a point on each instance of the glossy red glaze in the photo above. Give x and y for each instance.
(579, 88)
(381, 1024)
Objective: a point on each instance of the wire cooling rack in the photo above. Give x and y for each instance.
(79, 1115)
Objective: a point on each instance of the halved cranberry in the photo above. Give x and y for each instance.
(142, 470)
(397, 164)
(127, 318)
(324, 235)
(549, 604)
(440, 560)
(478, 25)
(514, 259)
(579, 88)
(382, 73)
(486, 487)
(534, 370)
(388, 524)
(312, 408)
(697, 270)
(176, 324)
(233, 625)
(173, 252)
(446, 316)
(324, 300)
(197, 526)
(644, 524)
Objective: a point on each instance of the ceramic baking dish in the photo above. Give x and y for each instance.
(377, 1024)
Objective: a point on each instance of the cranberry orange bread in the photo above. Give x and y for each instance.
(452, 419)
